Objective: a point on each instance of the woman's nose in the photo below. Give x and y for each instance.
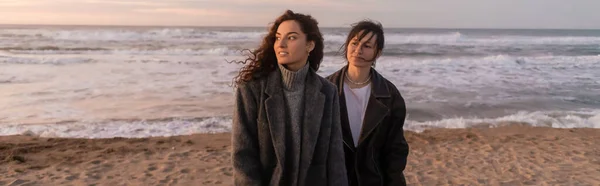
(282, 43)
(358, 50)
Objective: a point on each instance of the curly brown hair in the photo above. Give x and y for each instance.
(262, 61)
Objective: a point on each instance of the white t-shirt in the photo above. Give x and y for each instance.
(356, 104)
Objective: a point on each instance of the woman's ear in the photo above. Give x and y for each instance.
(310, 46)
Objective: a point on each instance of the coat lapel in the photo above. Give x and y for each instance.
(276, 114)
(314, 103)
(376, 110)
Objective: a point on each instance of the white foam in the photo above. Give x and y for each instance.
(488, 78)
(219, 51)
(129, 129)
(554, 119)
(447, 38)
(457, 38)
(131, 34)
(492, 76)
(182, 126)
(185, 41)
(211, 35)
(395, 38)
(44, 60)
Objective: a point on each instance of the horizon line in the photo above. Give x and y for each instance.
(233, 26)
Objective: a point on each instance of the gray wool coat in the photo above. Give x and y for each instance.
(258, 137)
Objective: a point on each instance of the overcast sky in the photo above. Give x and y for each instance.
(568, 14)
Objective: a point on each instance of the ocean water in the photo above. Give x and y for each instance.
(100, 82)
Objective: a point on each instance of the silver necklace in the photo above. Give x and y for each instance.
(361, 83)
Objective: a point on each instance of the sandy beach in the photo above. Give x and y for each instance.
(513, 155)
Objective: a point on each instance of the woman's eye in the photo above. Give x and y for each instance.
(292, 37)
(353, 43)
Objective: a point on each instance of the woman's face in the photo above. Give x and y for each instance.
(362, 53)
(291, 46)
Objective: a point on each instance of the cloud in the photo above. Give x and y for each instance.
(186, 11)
(405, 13)
(16, 3)
(128, 2)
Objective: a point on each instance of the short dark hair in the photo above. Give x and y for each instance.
(367, 26)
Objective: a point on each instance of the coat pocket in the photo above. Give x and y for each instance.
(378, 171)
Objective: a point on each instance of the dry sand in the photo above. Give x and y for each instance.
(514, 155)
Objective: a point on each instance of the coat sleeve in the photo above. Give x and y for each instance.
(245, 150)
(336, 164)
(397, 148)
